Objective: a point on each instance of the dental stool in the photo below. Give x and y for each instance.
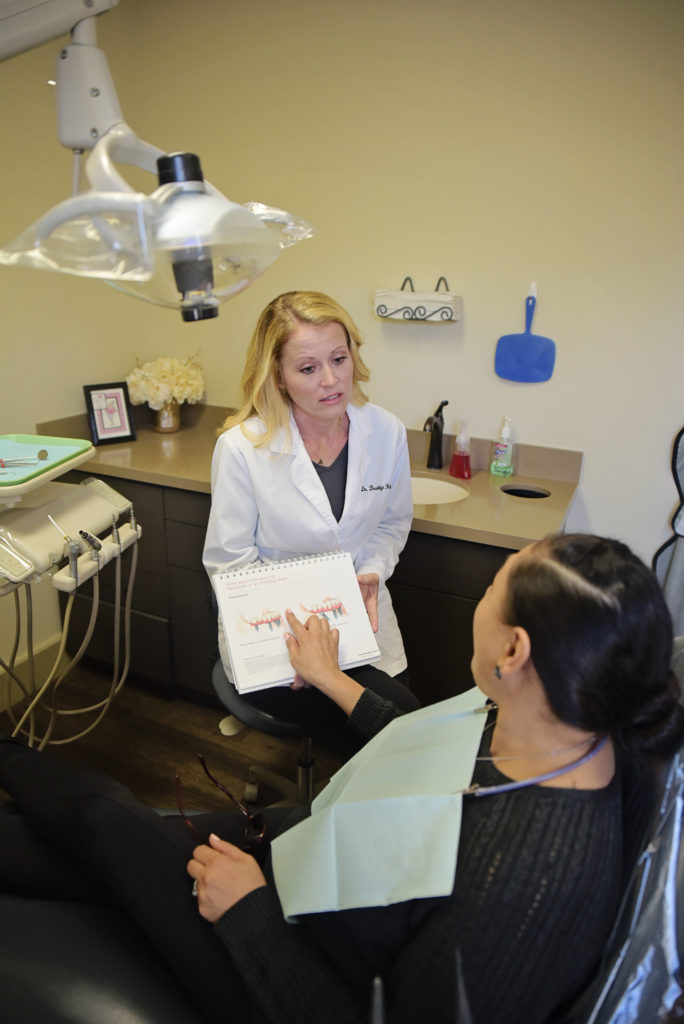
(300, 791)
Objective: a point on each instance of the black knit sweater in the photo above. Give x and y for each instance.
(534, 897)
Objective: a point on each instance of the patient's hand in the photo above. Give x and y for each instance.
(223, 874)
(313, 650)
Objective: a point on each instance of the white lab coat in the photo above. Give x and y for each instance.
(268, 503)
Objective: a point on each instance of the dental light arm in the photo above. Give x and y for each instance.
(25, 24)
(184, 245)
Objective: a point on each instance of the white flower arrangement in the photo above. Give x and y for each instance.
(165, 379)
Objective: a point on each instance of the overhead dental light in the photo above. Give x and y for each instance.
(184, 245)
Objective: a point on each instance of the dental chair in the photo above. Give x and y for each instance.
(668, 561)
(69, 963)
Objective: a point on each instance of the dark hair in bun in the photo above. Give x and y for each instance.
(601, 640)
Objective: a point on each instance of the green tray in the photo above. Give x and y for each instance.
(61, 450)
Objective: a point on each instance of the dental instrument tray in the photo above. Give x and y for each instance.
(31, 460)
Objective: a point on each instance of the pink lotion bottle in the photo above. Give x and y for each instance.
(460, 460)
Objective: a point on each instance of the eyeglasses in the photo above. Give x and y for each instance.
(255, 826)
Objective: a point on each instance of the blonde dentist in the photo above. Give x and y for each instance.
(308, 465)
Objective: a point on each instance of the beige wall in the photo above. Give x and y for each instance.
(494, 143)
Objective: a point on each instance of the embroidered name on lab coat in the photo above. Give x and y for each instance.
(376, 487)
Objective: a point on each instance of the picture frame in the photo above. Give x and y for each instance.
(109, 412)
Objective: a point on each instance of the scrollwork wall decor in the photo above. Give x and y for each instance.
(408, 304)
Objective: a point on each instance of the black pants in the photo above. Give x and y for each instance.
(79, 835)
(311, 708)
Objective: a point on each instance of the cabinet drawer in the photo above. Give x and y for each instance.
(150, 590)
(150, 639)
(151, 550)
(438, 639)
(448, 566)
(195, 630)
(187, 506)
(184, 545)
(151, 556)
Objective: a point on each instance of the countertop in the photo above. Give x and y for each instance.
(180, 460)
(488, 516)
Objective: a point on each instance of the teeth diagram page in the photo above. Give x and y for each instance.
(252, 603)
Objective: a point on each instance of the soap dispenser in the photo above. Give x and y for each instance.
(460, 460)
(502, 462)
(435, 425)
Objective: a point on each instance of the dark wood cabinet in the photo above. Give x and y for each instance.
(435, 588)
(194, 634)
(173, 621)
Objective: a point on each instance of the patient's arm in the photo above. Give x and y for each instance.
(313, 650)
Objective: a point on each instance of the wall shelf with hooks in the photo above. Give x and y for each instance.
(405, 303)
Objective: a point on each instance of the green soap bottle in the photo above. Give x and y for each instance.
(502, 463)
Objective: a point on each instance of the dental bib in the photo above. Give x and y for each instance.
(386, 827)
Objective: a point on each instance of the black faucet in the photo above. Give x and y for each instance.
(435, 424)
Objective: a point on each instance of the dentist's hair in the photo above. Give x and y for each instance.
(263, 393)
(601, 640)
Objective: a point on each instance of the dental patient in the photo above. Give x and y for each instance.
(572, 648)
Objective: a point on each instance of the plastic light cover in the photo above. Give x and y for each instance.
(96, 234)
(132, 240)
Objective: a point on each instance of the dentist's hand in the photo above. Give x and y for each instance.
(369, 583)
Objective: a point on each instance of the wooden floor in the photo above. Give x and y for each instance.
(146, 737)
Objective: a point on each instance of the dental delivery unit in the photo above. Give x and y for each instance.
(65, 532)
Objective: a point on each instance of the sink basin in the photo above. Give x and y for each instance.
(427, 491)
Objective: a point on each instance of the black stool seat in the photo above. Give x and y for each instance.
(251, 716)
(300, 791)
